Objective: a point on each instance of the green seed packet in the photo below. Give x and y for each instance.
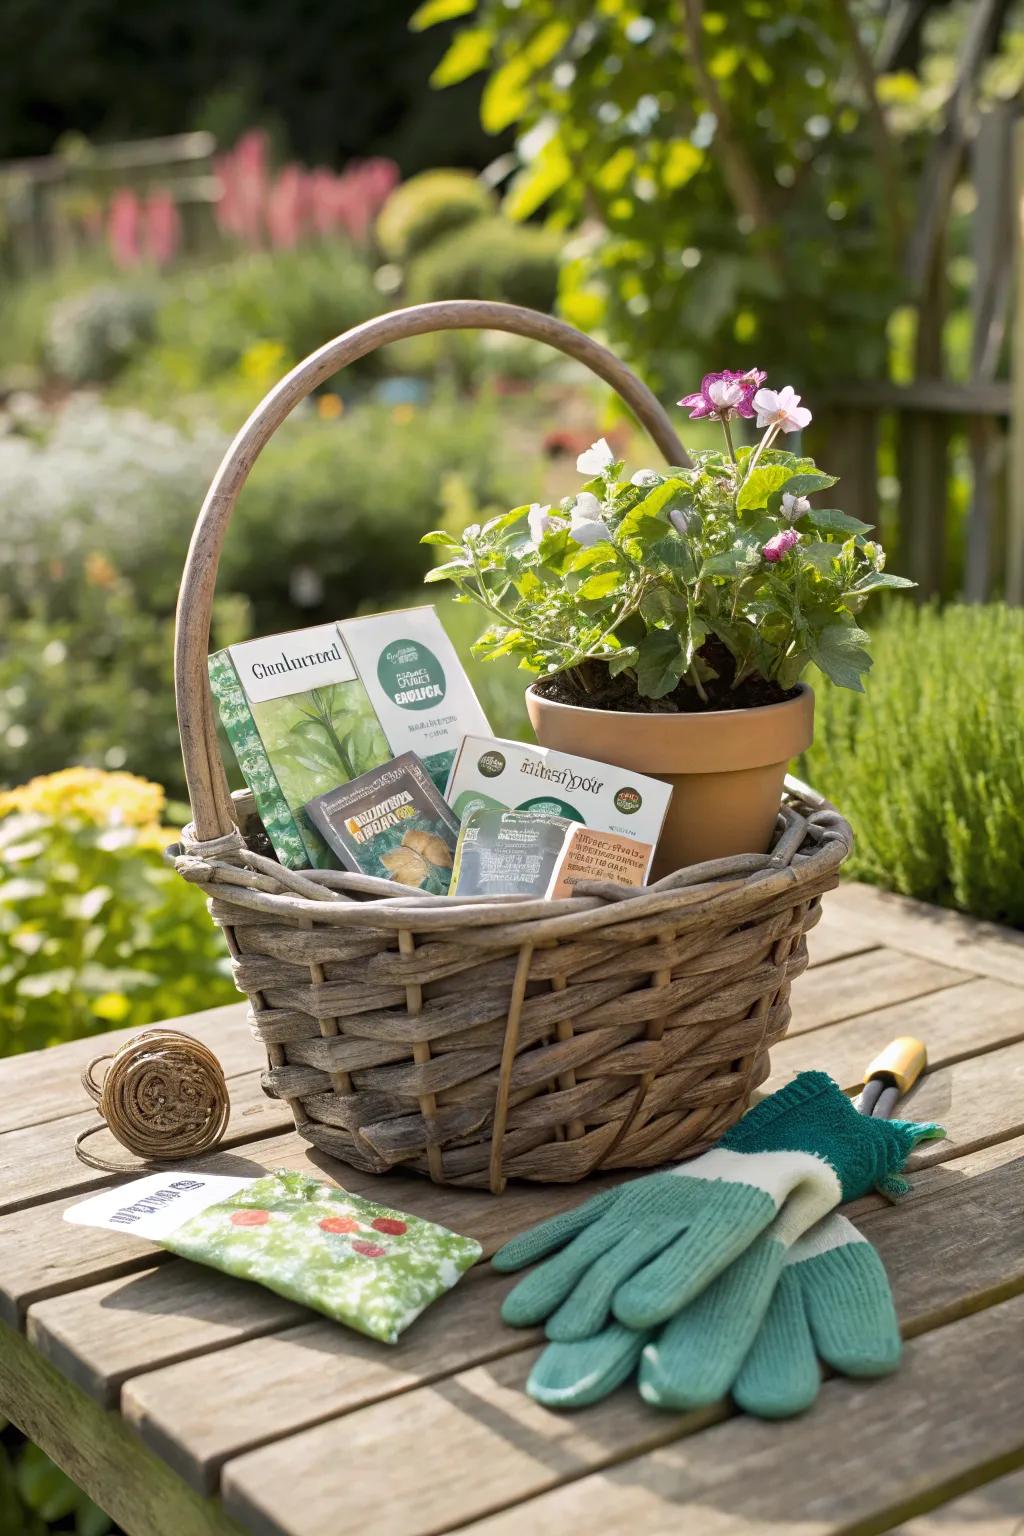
(393, 823)
(362, 1264)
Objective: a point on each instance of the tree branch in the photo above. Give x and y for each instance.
(885, 145)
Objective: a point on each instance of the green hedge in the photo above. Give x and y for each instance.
(428, 206)
(928, 764)
(490, 259)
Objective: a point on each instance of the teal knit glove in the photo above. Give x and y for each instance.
(832, 1301)
(645, 1250)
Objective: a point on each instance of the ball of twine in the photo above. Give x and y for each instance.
(163, 1097)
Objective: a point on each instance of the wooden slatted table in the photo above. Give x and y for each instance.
(187, 1403)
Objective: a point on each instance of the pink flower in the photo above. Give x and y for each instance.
(124, 228)
(780, 545)
(726, 394)
(162, 227)
(781, 408)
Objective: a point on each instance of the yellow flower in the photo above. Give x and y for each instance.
(99, 572)
(262, 362)
(329, 407)
(89, 795)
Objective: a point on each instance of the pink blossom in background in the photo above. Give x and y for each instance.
(286, 208)
(162, 228)
(124, 230)
(257, 207)
(244, 182)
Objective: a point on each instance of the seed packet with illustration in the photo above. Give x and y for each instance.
(529, 853)
(362, 1264)
(393, 823)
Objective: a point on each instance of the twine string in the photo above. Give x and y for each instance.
(163, 1097)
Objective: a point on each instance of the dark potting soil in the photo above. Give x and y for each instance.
(590, 687)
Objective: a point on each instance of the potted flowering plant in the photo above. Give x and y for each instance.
(672, 615)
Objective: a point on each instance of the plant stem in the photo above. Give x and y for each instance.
(695, 680)
(766, 442)
(728, 437)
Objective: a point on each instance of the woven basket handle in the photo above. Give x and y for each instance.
(204, 773)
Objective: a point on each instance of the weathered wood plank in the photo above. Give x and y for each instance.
(931, 932)
(46, 1085)
(962, 1021)
(995, 1509)
(199, 1414)
(901, 1446)
(318, 1372)
(501, 1448)
(38, 1162)
(99, 1451)
(102, 1335)
(831, 939)
(865, 982)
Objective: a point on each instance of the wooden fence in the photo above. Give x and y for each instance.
(44, 202)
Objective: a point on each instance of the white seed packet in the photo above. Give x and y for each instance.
(490, 774)
(416, 684)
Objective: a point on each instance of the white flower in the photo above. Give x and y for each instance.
(645, 477)
(781, 408)
(596, 459)
(724, 395)
(586, 525)
(542, 522)
(794, 506)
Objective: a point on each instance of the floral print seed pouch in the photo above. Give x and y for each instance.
(362, 1264)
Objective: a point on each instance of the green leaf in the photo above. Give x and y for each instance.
(677, 555)
(839, 651)
(434, 11)
(656, 609)
(591, 554)
(806, 483)
(742, 557)
(469, 52)
(505, 96)
(661, 662)
(448, 571)
(874, 581)
(831, 520)
(533, 185)
(624, 658)
(760, 484)
(438, 536)
(603, 584)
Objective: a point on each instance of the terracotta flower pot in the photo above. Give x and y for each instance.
(726, 767)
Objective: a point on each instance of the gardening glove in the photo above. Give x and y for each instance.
(832, 1301)
(646, 1249)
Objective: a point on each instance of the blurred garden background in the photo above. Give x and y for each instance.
(192, 197)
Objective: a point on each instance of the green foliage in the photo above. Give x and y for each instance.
(258, 314)
(92, 335)
(490, 259)
(346, 502)
(641, 575)
(95, 928)
(728, 162)
(35, 1495)
(427, 206)
(928, 764)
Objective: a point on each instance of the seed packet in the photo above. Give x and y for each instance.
(528, 853)
(492, 774)
(416, 684)
(306, 711)
(393, 823)
(362, 1264)
(507, 853)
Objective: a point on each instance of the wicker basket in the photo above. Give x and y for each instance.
(481, 1040)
